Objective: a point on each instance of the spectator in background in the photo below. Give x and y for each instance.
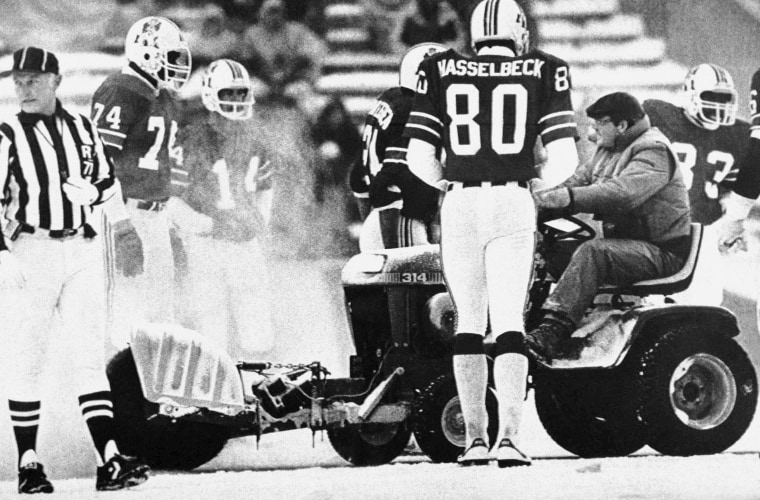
(216, 39)
(383, 21)
(339, 145)
(308, 12)
(432, 21)
(282, 52)
(241, 14)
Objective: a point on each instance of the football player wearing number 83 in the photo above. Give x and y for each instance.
(135, 111)
(710, 143)
(488, 122)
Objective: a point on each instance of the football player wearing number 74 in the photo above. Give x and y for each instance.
(135, 111)
(487, 112)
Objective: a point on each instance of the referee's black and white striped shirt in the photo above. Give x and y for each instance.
(37, 154)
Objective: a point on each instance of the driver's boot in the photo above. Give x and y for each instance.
(546, 342)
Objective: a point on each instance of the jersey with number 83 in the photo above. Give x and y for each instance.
(487, 111)
(138, 129)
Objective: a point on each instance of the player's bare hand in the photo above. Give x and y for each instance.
(11, 274)
(552, 198)
(731, 236)
(80, 191)
(128, 249)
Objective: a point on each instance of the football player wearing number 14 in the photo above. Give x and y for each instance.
(710, 142)
(487, 112)
(135, 111)
(230, 183)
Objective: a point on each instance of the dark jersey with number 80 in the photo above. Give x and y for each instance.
(139, 130)
(488, 110)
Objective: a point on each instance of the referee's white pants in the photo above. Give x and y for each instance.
(487, 250)
(149, 296)
(64, 276)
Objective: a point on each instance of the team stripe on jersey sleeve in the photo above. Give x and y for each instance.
(395, 155)
(112, 138)
(425, 127)
(557, 125)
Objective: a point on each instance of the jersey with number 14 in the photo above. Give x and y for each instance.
(487, 112)
(138, 129)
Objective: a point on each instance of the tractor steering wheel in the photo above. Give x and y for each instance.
(566, 228)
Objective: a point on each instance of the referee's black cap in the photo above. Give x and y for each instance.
(33, 60)
(618, 106)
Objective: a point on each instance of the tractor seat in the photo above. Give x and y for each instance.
(668, 285)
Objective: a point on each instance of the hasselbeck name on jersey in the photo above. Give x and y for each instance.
(524, 67)
(487, 111)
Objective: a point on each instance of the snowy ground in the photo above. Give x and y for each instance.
(287, 466)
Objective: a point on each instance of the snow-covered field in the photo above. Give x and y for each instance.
(289, 466)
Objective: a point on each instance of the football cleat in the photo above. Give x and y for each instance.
(121, 472)
(227, 90)
(407, 73)
(32, 479)
(156, 45)
(475, 454)
(709, 97)
(500, 21)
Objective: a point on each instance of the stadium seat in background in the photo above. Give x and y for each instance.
(607, 50)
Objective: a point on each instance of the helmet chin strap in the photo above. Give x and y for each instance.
(143, 74)
(496, 50)
(700, 124)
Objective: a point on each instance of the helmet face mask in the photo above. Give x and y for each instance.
(156, 45)
(500, 21)
(407, 74)
(227, 90)
(709, 97)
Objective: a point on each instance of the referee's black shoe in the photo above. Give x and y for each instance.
(121, 472)
(32, 479)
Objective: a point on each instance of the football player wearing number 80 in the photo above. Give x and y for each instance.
(710, 142)
(135, 111)
(231, 188)
(487, 112)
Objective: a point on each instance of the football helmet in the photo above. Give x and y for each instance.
(500, 20)
(407, 73)
(156, 45)
(709, 97)
(227, 90)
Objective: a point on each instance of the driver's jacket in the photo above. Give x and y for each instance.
(636, 189)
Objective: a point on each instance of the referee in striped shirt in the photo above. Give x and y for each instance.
(53, 170)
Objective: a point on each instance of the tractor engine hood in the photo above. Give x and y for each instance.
(395, 266)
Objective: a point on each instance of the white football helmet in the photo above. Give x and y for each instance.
(500, 20)
(156, 45)
(227, 90)
(407, 73)
(709, 96)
